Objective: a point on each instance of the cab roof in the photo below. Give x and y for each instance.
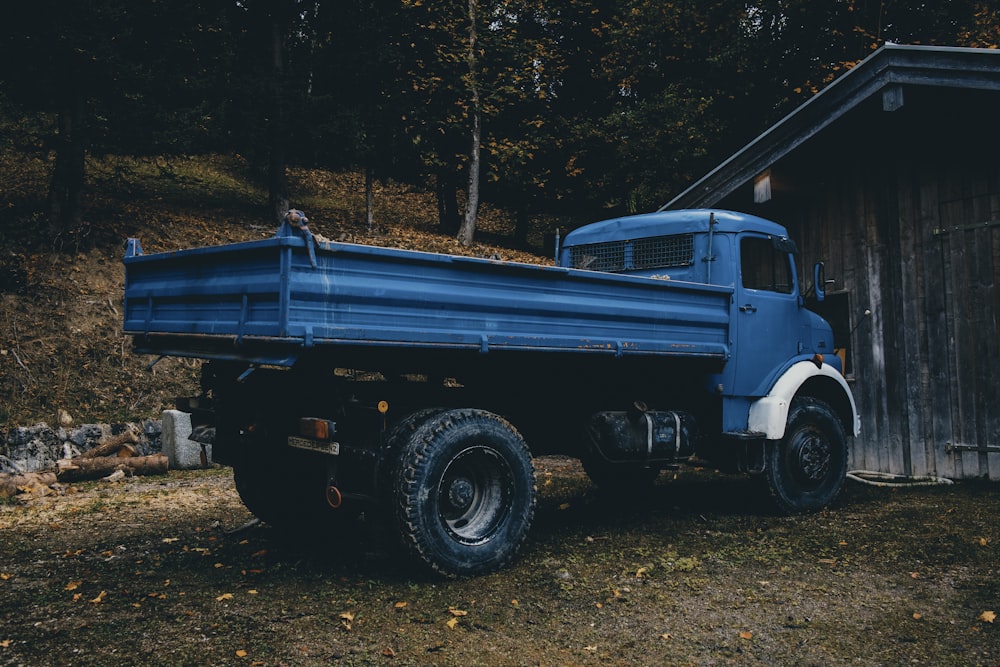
(665, 223)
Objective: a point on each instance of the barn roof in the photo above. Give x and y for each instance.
(888, 72)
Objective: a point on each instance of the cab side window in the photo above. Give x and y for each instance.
(764, 267)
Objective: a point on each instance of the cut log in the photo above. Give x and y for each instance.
(113, 446)
(13, 483)
(75, 470)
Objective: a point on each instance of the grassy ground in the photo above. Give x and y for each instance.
(145, 572)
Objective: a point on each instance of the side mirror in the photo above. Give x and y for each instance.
(819, 281)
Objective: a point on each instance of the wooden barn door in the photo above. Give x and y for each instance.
(969, 241)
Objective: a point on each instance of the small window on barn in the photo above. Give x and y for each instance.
(763, 266)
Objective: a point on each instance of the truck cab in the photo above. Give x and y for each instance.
(778, 349)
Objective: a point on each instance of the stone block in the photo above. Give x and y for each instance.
(182, 452)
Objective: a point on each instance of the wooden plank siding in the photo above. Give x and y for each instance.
(924, 361)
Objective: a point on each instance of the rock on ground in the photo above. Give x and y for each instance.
(34, 448)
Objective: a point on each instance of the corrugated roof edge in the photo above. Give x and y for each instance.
(891, 64)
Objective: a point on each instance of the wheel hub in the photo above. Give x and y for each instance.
(814, 458)
(460, 493)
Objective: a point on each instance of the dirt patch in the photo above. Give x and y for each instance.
(148, 572)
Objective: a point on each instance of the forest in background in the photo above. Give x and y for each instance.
(471, 127)
(574, 108)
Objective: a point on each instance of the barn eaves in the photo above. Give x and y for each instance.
(887, 72)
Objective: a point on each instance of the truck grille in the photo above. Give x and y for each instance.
(657, 252)
(608, 256)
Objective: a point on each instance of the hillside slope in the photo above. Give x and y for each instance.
(61, 346)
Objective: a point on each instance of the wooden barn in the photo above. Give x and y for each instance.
(891, 176)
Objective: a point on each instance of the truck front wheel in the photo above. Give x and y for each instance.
(805, 470)
(465, 493)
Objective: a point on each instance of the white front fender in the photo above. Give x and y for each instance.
(769, 415)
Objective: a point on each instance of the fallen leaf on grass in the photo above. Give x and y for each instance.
(346, 619)
(224, 596)
(400, 605)
(100, 597)
(241, 653)
(917, 616)
(5, 643)
(746, 635)
(564, 506)
(666, 635)
(457, 612)
(73, 585)
(452, 623)
(5, 576)
(388, 652)
(988, 616)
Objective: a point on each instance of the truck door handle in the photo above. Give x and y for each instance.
(748, 308)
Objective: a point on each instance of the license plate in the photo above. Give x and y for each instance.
(331, 448)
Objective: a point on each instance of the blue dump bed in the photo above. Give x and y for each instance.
(272, 300)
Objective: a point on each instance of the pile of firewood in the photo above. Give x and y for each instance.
(113, 458)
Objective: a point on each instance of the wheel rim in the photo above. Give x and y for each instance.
(808, 458)
(474, 495)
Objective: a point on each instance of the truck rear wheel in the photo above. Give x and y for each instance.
(805, 470)
(465, 493)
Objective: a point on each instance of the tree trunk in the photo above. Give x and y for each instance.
(277, 179)
(78, 469)
(66, 186)
(113, 446)
(468, 229)
(370, 196)
(12, 484)
(447, 201)
(522, 223)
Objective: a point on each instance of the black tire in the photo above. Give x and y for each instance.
(395, 442)
(806, 469)
(465, 493)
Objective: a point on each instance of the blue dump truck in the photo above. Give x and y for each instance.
(415, 386)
